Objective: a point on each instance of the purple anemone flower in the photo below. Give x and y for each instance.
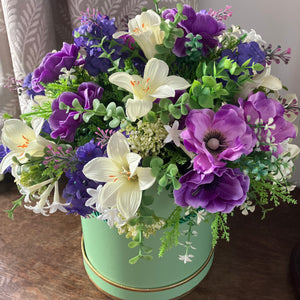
(53, 62)
(219, 191)
(197, 23)
(268, 114)
(62, 123)
(217, 137)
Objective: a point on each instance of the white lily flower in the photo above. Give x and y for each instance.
(22, 139)
(125, 181)
(155, 84)
(263, 79)
(145, 29)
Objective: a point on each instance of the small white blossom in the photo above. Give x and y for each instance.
(173, 134)
(201, 216)
(186, 258)
(111, 216)
(94, 193)
(246, 207)
(67, 74)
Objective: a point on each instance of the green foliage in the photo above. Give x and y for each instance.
(219, 227)
(16, 203)
(42, 110)
(170, 238)
(268, 193)
(164, 51)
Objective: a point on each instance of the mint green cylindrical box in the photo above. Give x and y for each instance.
(106, 256)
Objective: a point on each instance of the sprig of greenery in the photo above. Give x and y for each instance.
(16, 203)
(219, 227)
(170, 237)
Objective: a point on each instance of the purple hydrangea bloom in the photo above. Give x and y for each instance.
(217, 137)
(75, 191)
(219, 191)
(244, 52)
(197, 23)
(3, 151)
(274, 128)
(53, 62)
(89, 34)
(62, 123)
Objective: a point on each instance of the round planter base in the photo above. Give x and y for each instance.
(118, 291)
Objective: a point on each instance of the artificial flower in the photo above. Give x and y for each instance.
(217, 137)
(196, 23)
(124, 180)
(145, 29)
(219, 191)
(20, 139)
(155, 84)
(173, 134)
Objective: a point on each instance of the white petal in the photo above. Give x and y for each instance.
(6, 161)
(117, 148)
(157, 70)
(137, 108)
(108, 196)
(118, 34)
(123, 80)
(129, 199)
(16, 133)
(37, 124)
(272, 83)
(146, 179)
(150, 17)
(176, 82)
(133, 160)
(163, 91)
(101, 169)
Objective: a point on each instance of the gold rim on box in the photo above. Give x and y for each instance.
(163, 288)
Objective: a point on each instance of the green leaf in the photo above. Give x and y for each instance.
(233, 68)
(133, 221)
(147, 257)
(134, 260)
(163, 181)
(63, 106)
(96, 104)
(246, 63)
(164, 103)
(151, 117)
(77, 105)
(86, 116)
(175, 112)
(164, 117)
(114, 123)
(147, 200)
(147, 249)
(7, 116)
(75, 117)
(133, 244)
(258, 67)
(209, 81)
(120, 112)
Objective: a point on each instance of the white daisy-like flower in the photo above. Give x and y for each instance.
(94, 193)
(186, 258)
(246, 207)
(201, 216)
(173, 134)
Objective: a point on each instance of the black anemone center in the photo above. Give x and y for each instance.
(215, 142)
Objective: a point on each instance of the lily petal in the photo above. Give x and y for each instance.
(272, 83)
(146, 179)
(123, 80)
(118, 147)
(137, 108)
(129, 199)
(6, 161)
(157, 70)
(133, 161)
(108, 196)
(101, 169)
(176, 82)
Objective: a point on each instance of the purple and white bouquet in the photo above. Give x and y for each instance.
(178, 102)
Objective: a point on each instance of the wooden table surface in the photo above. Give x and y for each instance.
(40, 257)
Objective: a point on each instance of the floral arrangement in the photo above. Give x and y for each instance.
(178, 102)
